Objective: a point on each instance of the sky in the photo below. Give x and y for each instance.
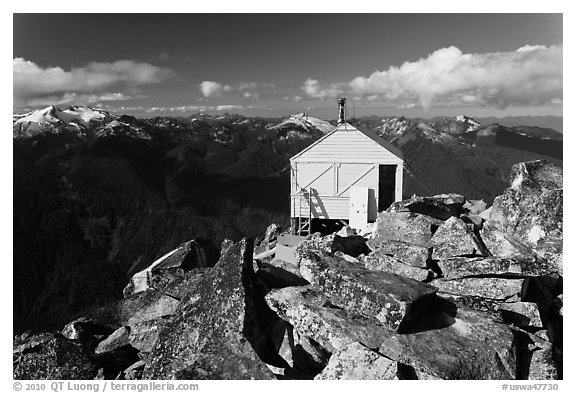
(273, 65)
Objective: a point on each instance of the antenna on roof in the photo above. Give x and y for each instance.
(341, 110)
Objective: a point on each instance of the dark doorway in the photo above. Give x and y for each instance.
(386, 186)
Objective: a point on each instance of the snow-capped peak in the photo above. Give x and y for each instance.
(302, 120)
(79, 115)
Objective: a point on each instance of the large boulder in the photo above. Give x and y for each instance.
(531, 209)
(381, 261)
(390, 298)
(455, 343)
(408, 227)
(198, 253)
(504, 245)
(211, 335)
(355, 361)
(454, 238)
(119, 338)
(405, 235)
(431, 206)
(313, 315)
(48, 356)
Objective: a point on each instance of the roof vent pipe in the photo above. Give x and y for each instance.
(341, 110)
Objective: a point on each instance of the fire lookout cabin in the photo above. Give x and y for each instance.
(348, 174)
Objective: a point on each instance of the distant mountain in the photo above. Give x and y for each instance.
(97, 195)
(551, 122)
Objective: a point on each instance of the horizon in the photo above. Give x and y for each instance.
(412, 65)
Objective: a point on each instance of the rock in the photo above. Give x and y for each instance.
(415, 256)
(143, 335)
(390, 298)
(346, 231)
(542, 365)
(211, 335)
(486, 213)
(410, 228)
(276, 277)
(531, 209)
(462, 267)
(134, 371)
(158, 306)
(379, 260)
(474, 207)
(504, 245)
(355, 361)
(453, 238)
(314, 316)
(455, 343)
(347, 257)
(48, 356)
(453, 200)
(86, 331)
(119, 338)
(270, 237)
(428, 206)
(198, 253)
(475, 220)
(495, 289)
(521, 314)
(351, 245)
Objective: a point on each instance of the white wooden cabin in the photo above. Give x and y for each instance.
(347, 172)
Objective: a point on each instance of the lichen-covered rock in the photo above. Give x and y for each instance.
(428, 206)
(453, 238)
(48, 356)
(416, 256)
(504, 245)
(313, 315)
(390, 298)
(455, 343)
(406, 227)
(542, 365)
(381, 261)
(198, 253)
(521, 314)
(356, 362)
(143, 335)
(475, 206)
(86, 331)
(119, 338)
(211, 336)
(134, 371)
(497, 289)
(531, 209)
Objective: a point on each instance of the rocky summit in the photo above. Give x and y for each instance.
(441, 288)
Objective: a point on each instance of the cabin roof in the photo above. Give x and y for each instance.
(367, 133)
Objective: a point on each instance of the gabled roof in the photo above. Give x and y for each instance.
(367, 133)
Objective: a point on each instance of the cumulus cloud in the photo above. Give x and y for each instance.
(531, 75)
(215, 89)
(32, 82)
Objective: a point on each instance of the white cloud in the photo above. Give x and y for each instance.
(313, 88)
(531, 75)
(32, 82)
(69, 98)
(215, 89)
(212, 89)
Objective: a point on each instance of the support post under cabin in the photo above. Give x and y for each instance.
(398, 182)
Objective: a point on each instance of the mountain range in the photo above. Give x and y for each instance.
(98, 197)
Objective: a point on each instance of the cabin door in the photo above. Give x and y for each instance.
(386, 186)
